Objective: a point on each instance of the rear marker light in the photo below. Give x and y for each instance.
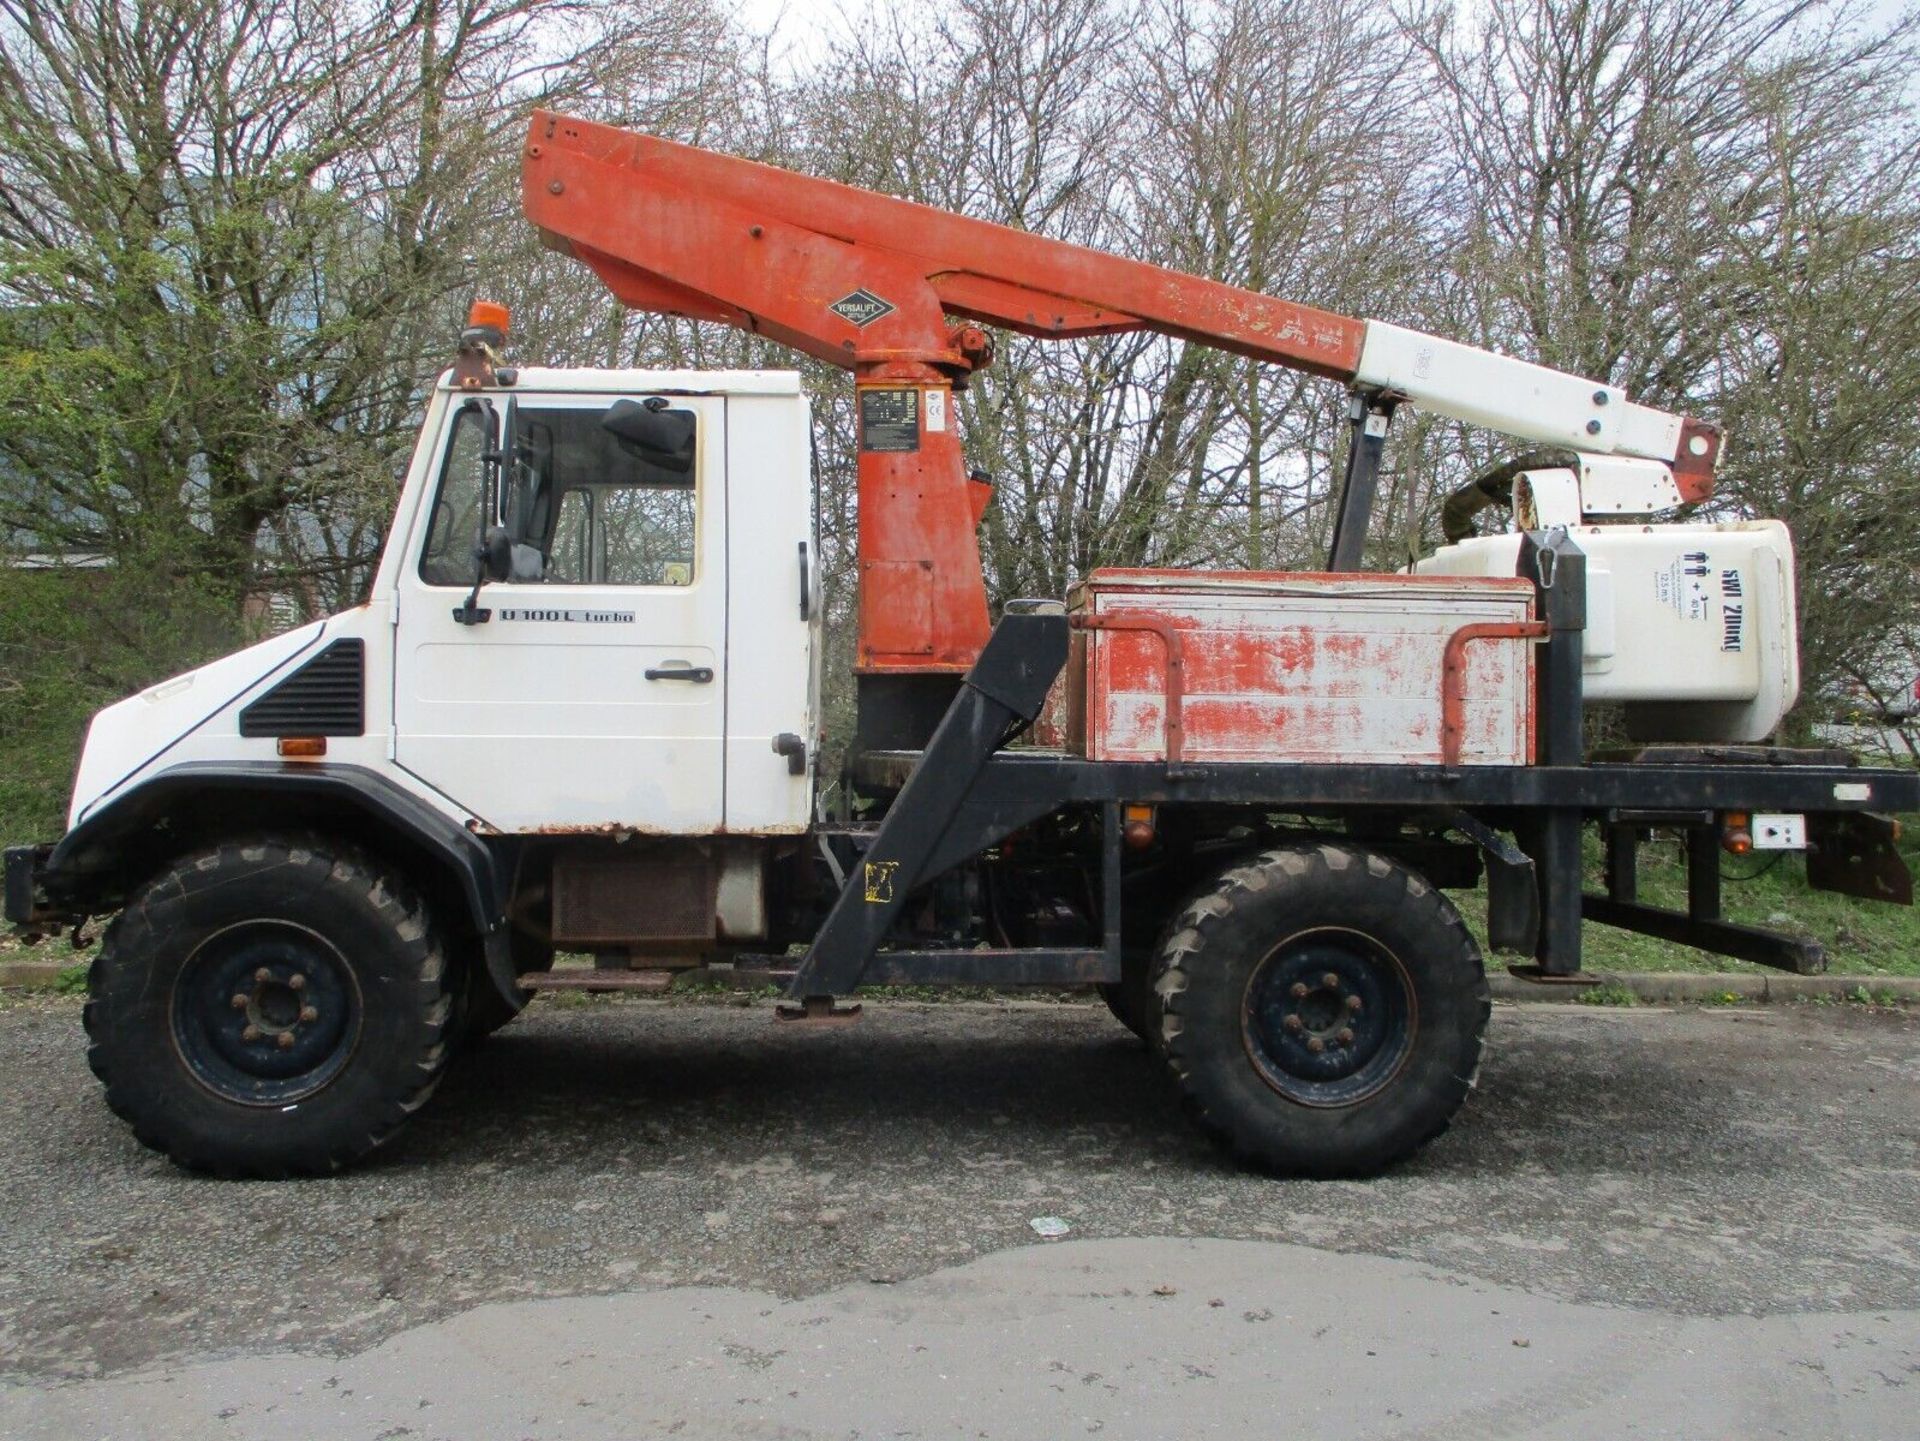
(1137, 826)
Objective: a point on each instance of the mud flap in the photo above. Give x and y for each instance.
(1853, 852)
(1513, 895)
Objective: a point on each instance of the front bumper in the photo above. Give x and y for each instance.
(29, 907)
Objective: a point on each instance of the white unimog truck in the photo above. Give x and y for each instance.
(579, 712)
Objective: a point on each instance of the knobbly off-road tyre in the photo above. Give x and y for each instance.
(233, 948)
(1321, 1010)
(1114, 993)
(1131, 997)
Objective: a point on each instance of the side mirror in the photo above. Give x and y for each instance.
(496, 553)
(665, 437)
(530, 510)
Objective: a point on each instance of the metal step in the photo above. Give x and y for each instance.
(652, 981)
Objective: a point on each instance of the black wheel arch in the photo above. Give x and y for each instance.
(467, 880)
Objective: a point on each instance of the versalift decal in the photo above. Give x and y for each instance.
(573, 617)
(861, 308)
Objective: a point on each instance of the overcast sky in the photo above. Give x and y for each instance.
(797, 20)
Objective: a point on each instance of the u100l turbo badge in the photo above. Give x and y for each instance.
(861, 308)
(573, 617)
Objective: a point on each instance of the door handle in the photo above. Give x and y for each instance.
(794, 749)
(698, 674)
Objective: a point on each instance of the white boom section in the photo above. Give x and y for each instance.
(1512, 396)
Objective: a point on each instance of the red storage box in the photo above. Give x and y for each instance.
(1301, 667)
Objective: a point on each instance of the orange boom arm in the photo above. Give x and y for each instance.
(868, 282)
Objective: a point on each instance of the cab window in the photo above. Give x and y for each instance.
(448, 557)
(583, 504)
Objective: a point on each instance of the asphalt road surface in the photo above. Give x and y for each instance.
(646, 1218)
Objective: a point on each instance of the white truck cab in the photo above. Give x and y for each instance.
(649, 665)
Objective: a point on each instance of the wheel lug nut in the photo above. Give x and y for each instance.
(1330, 981)
(1298, 991)
(297, 981)
(286, 1040)
(252, 1033)
(1316, 1045)
(263, 975)
(308, 1013)
(1345, 1037)
(1294, 1023)
(1353, 1003)
(239, 1001)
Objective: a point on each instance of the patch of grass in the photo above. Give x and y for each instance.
(685, 990)
(696, 987)
(722, 993)
(1864, 938)
(1607, 993)
(571, 1000)
(52, 951)
(930, 993)
(1051, 994)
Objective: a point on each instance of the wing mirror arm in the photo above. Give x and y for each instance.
(493, 543)
(492, 560)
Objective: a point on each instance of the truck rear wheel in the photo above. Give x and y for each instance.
(268, 1008)
(1322, 1011)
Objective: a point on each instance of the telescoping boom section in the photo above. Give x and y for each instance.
(869, 282)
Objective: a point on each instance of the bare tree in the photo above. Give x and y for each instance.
(1820, 379)
(235, 238)
(1711, 205)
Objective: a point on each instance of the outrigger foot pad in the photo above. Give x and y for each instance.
(1540, 977)
(818, 1011)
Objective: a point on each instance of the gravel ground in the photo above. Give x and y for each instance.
(1696, 1163)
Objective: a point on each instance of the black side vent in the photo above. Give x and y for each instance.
(325, 697)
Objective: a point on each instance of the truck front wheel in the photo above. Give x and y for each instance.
(1322, 1010)
(269, 1007)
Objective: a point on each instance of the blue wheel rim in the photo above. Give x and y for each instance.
(1330, 1017)
(266, 1013)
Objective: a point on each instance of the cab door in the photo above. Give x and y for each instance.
(592, 694)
